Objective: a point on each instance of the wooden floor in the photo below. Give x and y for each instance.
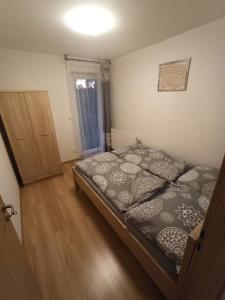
(73, 251)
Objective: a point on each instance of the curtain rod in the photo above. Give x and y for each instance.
(66, 57)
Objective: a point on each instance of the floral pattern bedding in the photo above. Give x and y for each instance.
(154, 161)
(123, 183)
(201, 178)
(136, 180)
(169, 218)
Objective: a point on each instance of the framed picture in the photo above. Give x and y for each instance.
(173, 76)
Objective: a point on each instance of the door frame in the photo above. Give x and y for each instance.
(205, 278)
(10, 152)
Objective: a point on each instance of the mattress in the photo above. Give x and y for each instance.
(168, 265)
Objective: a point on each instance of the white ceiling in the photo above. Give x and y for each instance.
(37, 25)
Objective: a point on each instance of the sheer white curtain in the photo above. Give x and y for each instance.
(82, 106)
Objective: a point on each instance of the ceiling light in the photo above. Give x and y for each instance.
(90, 19)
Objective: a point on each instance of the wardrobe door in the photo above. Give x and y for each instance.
(44, 133)
(13, 109)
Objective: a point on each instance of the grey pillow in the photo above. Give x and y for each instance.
(155, 161)
(200, 178)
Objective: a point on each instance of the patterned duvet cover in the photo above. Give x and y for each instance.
(164, 211)
(125, 184)
(169, 218)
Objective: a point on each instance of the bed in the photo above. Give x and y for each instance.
(139, 191)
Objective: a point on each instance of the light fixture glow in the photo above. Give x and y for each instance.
(90, 19)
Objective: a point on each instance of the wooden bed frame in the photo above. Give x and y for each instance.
(170, 288)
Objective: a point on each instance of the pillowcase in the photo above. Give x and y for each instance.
(200, 178)
(155, 161)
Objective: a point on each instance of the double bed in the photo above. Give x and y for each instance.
(156, 204)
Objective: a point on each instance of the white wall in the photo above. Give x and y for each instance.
(189, 124)
(21, 70)
(9, 189)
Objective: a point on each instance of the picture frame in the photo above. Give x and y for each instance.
(173, 76)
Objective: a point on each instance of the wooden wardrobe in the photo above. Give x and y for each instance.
(29, 125)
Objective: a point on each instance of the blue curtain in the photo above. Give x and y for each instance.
(87, 105)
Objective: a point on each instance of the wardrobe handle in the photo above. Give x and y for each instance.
(45, 133)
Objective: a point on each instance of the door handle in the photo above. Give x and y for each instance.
(45, 133)
(8, 214)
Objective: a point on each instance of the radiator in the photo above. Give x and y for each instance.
(121, 139)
